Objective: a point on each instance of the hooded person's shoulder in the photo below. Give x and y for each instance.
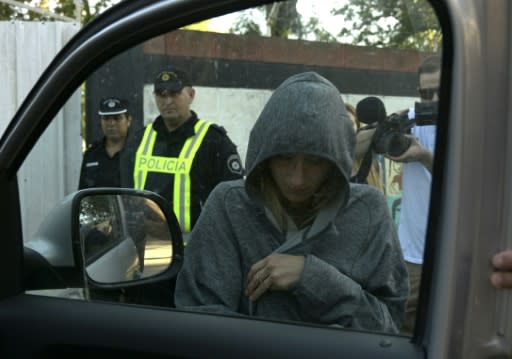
(232, 185)
(368, 205)
(367, 194)
(234, 189)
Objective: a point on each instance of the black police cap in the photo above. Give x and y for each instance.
(172, 79)
(112, 106)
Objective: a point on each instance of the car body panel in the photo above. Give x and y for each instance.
(170, 333)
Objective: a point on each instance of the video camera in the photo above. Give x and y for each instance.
(390, 131)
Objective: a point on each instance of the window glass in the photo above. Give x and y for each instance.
(226, 70)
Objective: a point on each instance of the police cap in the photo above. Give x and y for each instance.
(112, 106)
(172, 79)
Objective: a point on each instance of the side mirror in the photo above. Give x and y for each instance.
(107, 238)
(123, 238)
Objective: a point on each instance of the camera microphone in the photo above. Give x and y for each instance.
(370, 110)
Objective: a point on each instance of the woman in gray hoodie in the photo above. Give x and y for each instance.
(295, 240)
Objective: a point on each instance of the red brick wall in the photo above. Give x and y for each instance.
(277, 50)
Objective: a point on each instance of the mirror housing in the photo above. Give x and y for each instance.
(60, 244)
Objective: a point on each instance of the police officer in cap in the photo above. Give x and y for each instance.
(101, 161)
(179, 155)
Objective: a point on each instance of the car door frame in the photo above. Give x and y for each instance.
(78, 327)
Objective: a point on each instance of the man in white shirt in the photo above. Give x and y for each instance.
(416, 182)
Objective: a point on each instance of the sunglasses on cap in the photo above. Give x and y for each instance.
(428, 94)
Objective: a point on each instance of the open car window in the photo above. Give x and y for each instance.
(235, 63)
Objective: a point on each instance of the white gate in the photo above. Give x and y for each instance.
(26, 48)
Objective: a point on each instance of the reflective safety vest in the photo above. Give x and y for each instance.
(179, 166)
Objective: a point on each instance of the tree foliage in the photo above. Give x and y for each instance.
(404, 24)
(281, 20)
(63, 7)
(389, 23)
(246, 25)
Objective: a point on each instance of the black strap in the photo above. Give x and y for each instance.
(364, 169)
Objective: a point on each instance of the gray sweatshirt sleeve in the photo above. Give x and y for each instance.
(372, 296)
(210, 279)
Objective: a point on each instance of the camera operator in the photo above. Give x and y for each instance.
(416, 181)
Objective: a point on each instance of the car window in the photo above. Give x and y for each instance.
(370, 52)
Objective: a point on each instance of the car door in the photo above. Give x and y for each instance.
(232, 69)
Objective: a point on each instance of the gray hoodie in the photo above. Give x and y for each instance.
(354, 273)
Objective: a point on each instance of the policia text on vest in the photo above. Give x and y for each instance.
(164, 164)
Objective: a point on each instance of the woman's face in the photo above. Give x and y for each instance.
(299, 176)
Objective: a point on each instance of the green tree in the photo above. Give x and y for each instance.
(62, 7)
(401, 24)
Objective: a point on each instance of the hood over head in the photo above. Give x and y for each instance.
(305, 114)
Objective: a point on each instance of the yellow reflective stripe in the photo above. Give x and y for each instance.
(182, 184)
(140, 173)
(200, 128)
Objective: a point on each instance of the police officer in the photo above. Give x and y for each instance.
(178, 155)
(101, 161)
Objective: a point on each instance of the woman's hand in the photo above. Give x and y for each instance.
(275, 272)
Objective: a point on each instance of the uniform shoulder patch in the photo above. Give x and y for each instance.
(235, 165)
